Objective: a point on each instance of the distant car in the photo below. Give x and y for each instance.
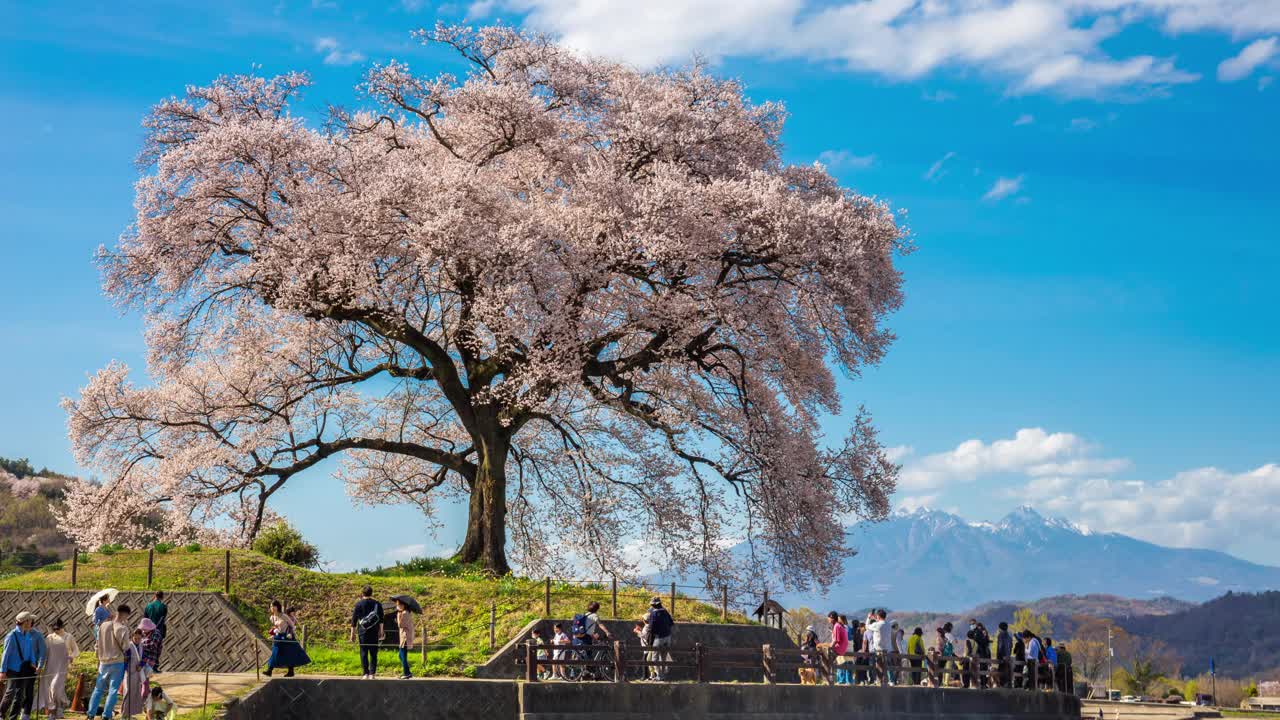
(1204, 699)
(1129, 698)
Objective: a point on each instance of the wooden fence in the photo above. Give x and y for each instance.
(617, 661)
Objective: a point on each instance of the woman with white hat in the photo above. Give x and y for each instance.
(18, 668)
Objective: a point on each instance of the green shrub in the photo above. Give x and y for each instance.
(163, 548)
(194, 548)
(283, 542)
(83, 559)
(111, 549)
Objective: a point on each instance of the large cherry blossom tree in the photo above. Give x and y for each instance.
(589, 300)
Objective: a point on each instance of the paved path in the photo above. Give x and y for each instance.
(187, 689)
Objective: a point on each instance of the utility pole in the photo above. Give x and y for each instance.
(1110, 653)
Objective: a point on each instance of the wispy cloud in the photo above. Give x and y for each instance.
(939, 96)
(1003, 188)
(334, 54)
(937, 169)
(844, 159)
(1082, 124)
(1254, 54)
(1024, 119)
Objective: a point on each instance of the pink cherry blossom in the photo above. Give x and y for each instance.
(592, 302)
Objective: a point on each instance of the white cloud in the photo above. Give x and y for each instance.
(1082, 124)
(1031, 451)
(405, 552)
(1254, 54)
(1003, 188)
(334, 54)
(936, 170)
(836, 159)
(1058, 46)
(1205, 507)
(1024, 119)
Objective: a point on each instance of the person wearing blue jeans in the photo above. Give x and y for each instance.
(113, 636)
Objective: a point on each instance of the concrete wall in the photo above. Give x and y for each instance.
(316, 699)
(503, 665)
(351, 699)
(653, 701)
(205, 631)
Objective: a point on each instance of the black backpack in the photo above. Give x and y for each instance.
(660, 623)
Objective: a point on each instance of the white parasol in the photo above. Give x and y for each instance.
(111, 594)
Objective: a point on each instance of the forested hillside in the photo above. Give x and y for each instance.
(1238, 630)
(29, 535)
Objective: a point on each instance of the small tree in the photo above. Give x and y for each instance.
(1026, 619)
(283, 542)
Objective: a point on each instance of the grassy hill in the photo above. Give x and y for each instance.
(456, 600)
(29, 536)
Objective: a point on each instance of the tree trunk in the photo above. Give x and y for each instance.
(486, 541)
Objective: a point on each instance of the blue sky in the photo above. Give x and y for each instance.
(1091, 183)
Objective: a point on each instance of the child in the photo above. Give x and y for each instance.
(150, 647)
(540, 638)
(159, 706)
(561, 639)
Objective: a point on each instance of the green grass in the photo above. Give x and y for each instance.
(456, 600)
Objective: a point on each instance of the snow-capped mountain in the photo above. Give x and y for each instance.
(928, 559)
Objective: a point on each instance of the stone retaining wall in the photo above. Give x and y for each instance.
(338, 699)
(205, 631)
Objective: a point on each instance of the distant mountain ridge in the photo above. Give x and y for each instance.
(1063, 611)
(934, 560)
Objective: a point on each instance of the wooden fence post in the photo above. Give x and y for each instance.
(764, 608)
(226, 573)
(548, 598)
(699, 663)
(619, 662)
(766, 657)
(493, 623)
(257, 662)
(424, 647)
(530, 663)
(615, 598)
(724, 603)
(75, 565)
(205, 708)
(673, 601)
(151, 564)
(827, 659)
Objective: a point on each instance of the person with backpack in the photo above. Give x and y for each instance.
(1004, 648)
(915, 648)
(660, 624)
(158, 612)
(367, 629)
(18, 668)
(587, 631)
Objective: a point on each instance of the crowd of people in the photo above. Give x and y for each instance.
(35, 664)
(655, 632)
(883, 653)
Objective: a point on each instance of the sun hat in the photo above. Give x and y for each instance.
(146, 625)
(24, 616)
